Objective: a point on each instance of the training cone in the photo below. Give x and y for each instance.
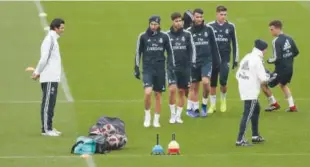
(157, 149)
(173, 146)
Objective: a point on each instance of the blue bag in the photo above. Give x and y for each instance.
(84, 145)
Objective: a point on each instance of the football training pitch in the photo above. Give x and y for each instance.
(98, 50)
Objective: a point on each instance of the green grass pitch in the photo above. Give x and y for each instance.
(98, 55)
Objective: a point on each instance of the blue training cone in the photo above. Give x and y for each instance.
(157, 149)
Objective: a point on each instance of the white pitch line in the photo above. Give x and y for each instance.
(44, 23)
(104, 101)
(156, 0)
(148, 155)
(77, 101)
(90, 161)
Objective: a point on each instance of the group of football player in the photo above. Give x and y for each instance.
(199, 52)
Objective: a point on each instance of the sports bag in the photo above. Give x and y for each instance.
(90, 145)
(84, 145)
(113, 129)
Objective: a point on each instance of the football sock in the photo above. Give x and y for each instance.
(172, 108)
(213, 100)
(272, 100)
(156, 117)
(189, 104)
(223, 96)
(196, 105)
(205, 101)
(290, 101)
(147, 112)
(179, 111)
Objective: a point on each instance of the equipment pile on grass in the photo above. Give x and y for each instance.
(106, 135)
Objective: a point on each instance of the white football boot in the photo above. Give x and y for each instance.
(51, 133)
(156, 124)
(172, 119)
(178, 120)
(56, 131)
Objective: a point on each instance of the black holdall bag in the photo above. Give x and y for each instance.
(113, 129)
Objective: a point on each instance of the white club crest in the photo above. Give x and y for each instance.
(183, 39)
(226, 31)
(206, 34)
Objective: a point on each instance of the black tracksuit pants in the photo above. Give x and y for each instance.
(49, 90)
(251, 112)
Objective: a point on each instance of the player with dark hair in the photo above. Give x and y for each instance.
(284, 52)
(56, 24)
(225, 32)
(49, 71)
(179, 75)
(187, 19)
(207, 53)
(151, 46)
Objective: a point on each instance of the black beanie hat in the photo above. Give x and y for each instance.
(154, 18)
(260, 44)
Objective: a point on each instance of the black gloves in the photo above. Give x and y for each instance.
(194, 65)
(269, 61)
(272, 77)
(137, 72)
(235, 65)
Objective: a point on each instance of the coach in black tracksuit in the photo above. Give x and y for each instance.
(49, 72)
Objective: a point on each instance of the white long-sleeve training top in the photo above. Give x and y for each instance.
(49, 66)
(251, 74)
